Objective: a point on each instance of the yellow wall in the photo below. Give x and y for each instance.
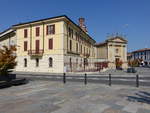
(102, 52)
(108, 51)
(89, 47)
(112, 54)
(57, 38)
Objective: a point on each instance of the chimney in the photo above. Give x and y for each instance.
(82, 24)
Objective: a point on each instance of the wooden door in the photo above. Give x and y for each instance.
(117, 61)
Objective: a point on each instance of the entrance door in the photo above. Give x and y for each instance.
(117, 61)
(37, 46)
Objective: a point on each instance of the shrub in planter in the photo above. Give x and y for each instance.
(134, 63)
(7, 61)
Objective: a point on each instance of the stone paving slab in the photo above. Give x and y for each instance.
(42, 96)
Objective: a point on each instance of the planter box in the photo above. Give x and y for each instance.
(18, 81)
(7, 77)
(4, 84)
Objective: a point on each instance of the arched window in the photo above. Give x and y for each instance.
(70, 63)
(25, 62)
(37, 62)
(50, 62)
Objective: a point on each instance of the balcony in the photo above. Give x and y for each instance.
(86, 55)
(35, 52)
(71, 52)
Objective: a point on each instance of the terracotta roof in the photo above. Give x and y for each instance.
(142, 50)
(129, 54)
(100, 44)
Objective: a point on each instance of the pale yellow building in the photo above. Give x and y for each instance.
(57, 45)
(53, 45)
(112, 51)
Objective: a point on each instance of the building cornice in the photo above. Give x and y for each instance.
(56, 18)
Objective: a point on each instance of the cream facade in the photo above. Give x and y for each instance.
(58, 45)
(56, 53)
(112, 50)
(8, 38)
(71, 46)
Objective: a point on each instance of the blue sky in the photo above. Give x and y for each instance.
(127, 17)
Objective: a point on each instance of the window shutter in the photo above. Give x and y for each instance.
(37, 31)
(47, 29)
(25, 33)
(37, 45)
(50, 43)
(25, 46)
(53, 29)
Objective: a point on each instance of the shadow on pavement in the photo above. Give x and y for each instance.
(141, 96)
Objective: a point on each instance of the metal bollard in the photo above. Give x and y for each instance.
(109, 79)
(137, 80)
(64, 78)
(85, 79)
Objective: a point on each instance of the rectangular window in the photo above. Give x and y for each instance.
(70, 32)
(37, 31)
(37, 46)
(77, 47)
(76, 36)
(71, 64)
(50, 29)
(70, 45)
(25, 33)
(50, 44)
(25, 45)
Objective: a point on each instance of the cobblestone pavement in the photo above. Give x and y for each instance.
(42, 96)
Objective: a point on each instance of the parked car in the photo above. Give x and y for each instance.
(119, 68)
(131, 70)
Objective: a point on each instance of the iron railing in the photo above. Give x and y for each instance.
(35, 52)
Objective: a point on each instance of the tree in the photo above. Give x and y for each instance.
(134, 63)
(7, 59)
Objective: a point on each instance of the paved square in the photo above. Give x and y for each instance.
(43, 96)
